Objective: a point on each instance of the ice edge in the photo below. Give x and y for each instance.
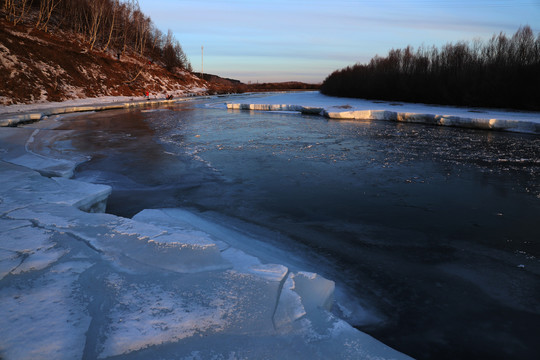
(519, 126)
(14, 119)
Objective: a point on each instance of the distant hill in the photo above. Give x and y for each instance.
(283, 86)
(218, 84)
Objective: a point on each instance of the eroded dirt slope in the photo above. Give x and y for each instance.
(37, 66)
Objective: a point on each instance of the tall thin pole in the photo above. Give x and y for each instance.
(202, 62)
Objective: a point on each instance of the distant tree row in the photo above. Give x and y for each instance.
(501, 72)
(279, 86)
(115, 25)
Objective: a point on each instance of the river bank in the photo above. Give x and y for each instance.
(14, 115)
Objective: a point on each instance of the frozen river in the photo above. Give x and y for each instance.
(432, 234)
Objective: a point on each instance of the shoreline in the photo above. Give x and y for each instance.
(307, 102)
(13, 115)
(21, 114)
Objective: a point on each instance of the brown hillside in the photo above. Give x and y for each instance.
(38, 66)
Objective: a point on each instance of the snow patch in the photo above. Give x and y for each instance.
(146, 315)
(10, 61)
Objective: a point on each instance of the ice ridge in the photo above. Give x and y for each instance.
(343, 113)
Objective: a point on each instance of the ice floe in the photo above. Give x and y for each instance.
(359, 109)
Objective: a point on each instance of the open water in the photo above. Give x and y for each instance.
(433, 232)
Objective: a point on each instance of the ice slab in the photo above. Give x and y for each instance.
(277, 107)
(197, 309)
(245, 263)
(25, 248)
(289, 308)
(303, 293)
(254, 246)
(225, 232)
(31, 148)
(315, 291)
(182, 221)
(359, 109)
(39, 111)
(130, 243)
(24, 186)
(190, 223)
(442, 120)
(45, 166)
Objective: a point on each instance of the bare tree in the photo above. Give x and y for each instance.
(8, 5)
(46, 8)
(94, 19)
(142, 27)
(112, 15)
(126, 11)
(16, 10)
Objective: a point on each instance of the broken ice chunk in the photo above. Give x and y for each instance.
(243, 262)
(289, 307)
(314, 290)
(302, 293)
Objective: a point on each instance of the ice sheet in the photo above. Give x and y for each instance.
(346, 108)
(166, 284)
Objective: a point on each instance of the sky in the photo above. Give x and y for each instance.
(306, 40)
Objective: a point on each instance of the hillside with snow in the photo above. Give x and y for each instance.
(38, 66)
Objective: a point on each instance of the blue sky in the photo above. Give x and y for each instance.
(305, 40)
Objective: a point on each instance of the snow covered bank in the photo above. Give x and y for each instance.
(358, 109)
(15, 114)
(76, 284)
(12, 115)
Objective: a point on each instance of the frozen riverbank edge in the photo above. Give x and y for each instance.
(20, 114)
(315, 103)
(78, 283)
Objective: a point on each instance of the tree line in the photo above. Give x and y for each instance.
(502, 72)
(107, 25)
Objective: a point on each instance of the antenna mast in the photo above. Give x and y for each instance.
(202, 62)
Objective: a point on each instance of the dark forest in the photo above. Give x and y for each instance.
(503, 72)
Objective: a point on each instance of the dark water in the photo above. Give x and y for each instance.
(434, 230)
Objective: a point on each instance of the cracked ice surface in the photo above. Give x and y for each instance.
(165, 284)
(42, 317)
